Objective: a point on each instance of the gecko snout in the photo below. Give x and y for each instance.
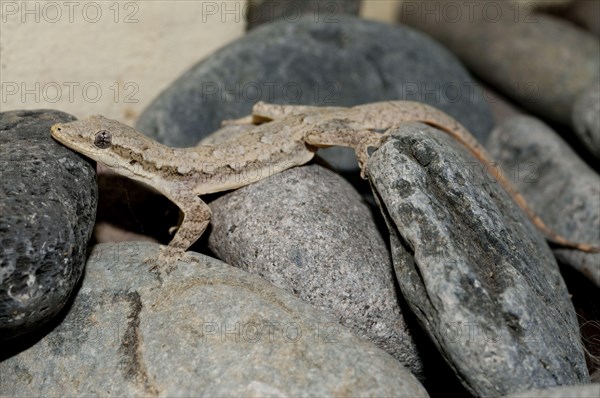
(57, 130)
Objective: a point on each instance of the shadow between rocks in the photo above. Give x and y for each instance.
(585, 300)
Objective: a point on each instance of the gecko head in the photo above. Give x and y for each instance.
(104, 140)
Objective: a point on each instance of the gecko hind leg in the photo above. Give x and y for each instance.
(196, 217)
(233, 122)
(264, 113)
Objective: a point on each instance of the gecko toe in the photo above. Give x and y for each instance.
(166, 260)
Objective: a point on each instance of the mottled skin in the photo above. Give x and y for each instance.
(285, 136)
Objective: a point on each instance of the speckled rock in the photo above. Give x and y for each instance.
(306, 231)
(205, 329)
(265, 11)
(579, 391)
(349, 62)
(479, 277)
(48, 197)
(558, 185)
(586, 119)
(542, 62)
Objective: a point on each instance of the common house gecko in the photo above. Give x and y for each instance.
(285, 136)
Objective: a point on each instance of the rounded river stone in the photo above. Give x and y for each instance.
(579, 391)
(205, 329)
(542, 62)
(586, 119)
(477, 274)
(48, 197)
(562, 189)
(307, 231)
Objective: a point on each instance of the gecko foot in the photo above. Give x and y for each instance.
(232, 122)
(362, 153)
(166, 260)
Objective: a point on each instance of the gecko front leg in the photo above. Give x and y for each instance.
(337, 132)
(195, 218)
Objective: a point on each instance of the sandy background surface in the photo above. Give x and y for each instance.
(105, 57)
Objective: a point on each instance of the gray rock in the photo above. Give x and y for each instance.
(579, 391)
(586, 119)
(206, 329)
(479, 277)
(345, 63)
(542, 62)
(48, 197)
(306, 231)
(265, 11)
(562, 189)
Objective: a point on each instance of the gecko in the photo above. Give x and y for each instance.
(282, 137)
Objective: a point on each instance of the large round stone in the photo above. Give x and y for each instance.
(341, 61)
(205, 329)
(48, 197)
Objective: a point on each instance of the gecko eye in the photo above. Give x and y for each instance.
(102, 139)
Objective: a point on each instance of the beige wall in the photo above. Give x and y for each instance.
(380, 10)
(105, 57)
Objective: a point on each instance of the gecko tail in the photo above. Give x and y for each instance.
(561, 242)
(552, 236)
